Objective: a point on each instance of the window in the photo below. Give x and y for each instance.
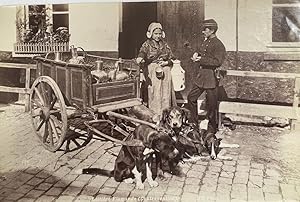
(286, 21)
(44, 23)
(60, 16)
(285, 42)
(37, 17)
(42, 28)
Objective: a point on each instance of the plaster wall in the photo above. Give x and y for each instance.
(254, 24)
(95, 26)
(8, 27)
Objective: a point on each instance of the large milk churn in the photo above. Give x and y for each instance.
(178, 76)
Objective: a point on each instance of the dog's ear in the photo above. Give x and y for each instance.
(186, 115)
(165, 115)
(219, 141)
(152, 141)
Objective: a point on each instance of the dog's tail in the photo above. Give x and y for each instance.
(98, 171)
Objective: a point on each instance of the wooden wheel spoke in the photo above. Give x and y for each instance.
(46, 133)
(40, 125)
(35, 115)
(50, 96)
(36, 112)
(55, 111)
(39, 95)
(51, 137)
(48, 112)
(37, 103)
(43, 89)
(56, 122)
(77, 144)
(53, 102)
(53, 128)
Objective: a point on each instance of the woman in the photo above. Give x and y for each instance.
(156, 55)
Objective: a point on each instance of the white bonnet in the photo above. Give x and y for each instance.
(152, 27)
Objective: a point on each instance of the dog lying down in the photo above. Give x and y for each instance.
(192, 142)
(135, 162)
(189, 139)
(213, 145)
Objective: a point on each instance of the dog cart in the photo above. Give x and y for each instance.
(70, 99)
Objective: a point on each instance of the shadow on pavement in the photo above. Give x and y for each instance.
(30, 183)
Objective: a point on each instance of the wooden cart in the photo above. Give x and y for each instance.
(64, 98)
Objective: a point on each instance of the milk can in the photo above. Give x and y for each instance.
(178, 76)
(57, 56)
(74, 51)
(159, 72)
(99, 74)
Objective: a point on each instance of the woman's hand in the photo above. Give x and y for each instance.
(163, 63)
(148, 81)
(140, 60)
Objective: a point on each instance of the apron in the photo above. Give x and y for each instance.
(161, 94)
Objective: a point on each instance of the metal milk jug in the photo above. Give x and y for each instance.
(57, 56)
(178, 76)
(74, 51)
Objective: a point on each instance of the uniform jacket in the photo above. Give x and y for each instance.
(213, 54)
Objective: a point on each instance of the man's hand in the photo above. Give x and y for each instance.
(196, 57)
(140, 60)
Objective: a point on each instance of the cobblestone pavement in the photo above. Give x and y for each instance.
(28, 172)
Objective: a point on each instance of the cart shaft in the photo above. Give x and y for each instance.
(117, 115)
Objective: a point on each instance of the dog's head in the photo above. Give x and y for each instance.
(174, 117)
(212, 144)
(164, 145)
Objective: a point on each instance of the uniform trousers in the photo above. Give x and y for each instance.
(211, 106)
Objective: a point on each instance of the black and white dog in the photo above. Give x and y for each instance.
(135, 162)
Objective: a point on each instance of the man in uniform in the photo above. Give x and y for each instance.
(210, 57)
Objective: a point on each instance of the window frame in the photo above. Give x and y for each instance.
(49, 12)
(59, 13)
(29, 49)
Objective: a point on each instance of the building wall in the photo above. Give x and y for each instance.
(254, 23)
(181, 21)
(8, 27)
(254, 35)
(8, 77)
(225, 15)
(95, 26)
(266, 90)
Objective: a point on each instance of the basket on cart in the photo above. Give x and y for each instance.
(65, 95)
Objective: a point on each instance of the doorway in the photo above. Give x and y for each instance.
(136, 17)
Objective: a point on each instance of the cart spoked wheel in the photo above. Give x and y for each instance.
(48, 113)
(76, 139)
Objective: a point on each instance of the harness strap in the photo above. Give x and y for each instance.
(99, 133)
(128, 149)
(189, 139)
